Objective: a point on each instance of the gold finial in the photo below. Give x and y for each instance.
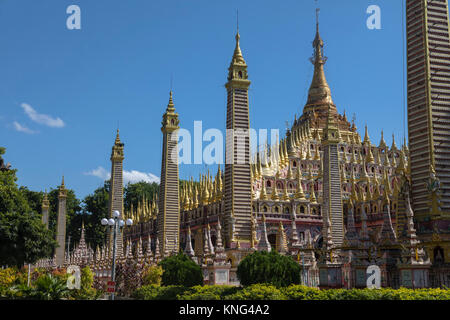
(62, 183)
(237, 56)
(394, 146)
(366, 137)
(117, 137)
(170, 105)
(274, 195)
(382, 144)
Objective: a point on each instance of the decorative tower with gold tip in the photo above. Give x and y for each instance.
(168, 219)
(61, 225)
(237, 222)
(116, 189)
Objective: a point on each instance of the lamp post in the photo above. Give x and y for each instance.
(115, 223)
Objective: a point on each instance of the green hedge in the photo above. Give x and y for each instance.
(293, 292)
(268, 267)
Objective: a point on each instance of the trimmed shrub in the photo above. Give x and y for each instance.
(272, 268)
(216, 292)
(154, 292)
(257, 292)
(300, 292)
(181, 270)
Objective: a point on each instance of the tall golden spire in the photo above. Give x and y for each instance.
(170, 106)
(319, 92)
(117, 138)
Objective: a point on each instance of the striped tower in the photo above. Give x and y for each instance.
(168, 219)
(237, 193)
(116, 189)
(45, 208)
(428, 53)
(332, 195)
(61, 225)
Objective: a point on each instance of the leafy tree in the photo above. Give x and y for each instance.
(134, 192)
(181, 270)
(95, 208)
(23, 236)
(271, 268)
(34, 199)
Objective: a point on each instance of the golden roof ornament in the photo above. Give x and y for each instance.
(378, 158)
(369, 157)
(317, 153)
(402, 165)
(117, 141)
(386, 182)
(382, 144)
(386, 161)
(285, 193)
(376, 193)
(405, 145)
(394, 146)
(394, 160)
(282, 238)
(289, 173)
(354, 193)
(320, 170)
(312, 197)
(237, 56)
(286, 156)
(301, 155)
(353, 158)
(319, 95)
(299, 192)
(263, 194)
(274, 196)
(308, 153)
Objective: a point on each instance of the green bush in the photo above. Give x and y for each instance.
(265, 267)
(305, 293)
(300, 292)
(154, 292)
(258, 292)
(217, 292)
(152, 275)
(49, 287)
(292, 292)
(8, 277)
(180, 270)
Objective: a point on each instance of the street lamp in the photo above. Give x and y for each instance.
(115, 222)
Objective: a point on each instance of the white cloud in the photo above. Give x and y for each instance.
(100, 172)
(21, 128)
(132, 176)
(42, 118)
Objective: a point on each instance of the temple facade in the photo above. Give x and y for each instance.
(336, 201)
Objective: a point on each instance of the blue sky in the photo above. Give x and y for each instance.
(64, 92)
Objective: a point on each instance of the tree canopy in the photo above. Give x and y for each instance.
(181, 270)
(272, 268)
(23, 236)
